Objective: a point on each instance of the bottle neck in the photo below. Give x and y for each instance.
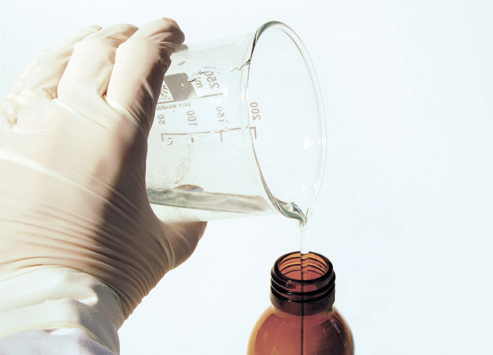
(302, 284)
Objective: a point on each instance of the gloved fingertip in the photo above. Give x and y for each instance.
(167, 30)
(169, 23)
(93, 28)
(178, 35)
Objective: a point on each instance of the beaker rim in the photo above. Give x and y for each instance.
(278, 204)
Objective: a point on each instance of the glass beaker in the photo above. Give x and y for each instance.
(239, 130)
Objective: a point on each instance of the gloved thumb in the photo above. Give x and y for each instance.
(183, 239)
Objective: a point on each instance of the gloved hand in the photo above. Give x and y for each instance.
(72, 162)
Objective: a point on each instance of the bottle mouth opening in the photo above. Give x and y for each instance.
(303, 283)
(303, 267)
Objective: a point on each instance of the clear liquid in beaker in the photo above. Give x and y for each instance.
(194, 198)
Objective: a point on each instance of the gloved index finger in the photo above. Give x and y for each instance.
(89, 70)
(140, 65)
(43, 74)
(46, 71)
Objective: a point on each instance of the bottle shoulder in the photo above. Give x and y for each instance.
(322, 333)
(332, 315)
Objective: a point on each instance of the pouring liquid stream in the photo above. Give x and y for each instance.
(304, 256)
(291, 210)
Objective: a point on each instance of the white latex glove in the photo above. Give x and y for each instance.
(72, 163)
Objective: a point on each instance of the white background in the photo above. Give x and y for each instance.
(406, 209)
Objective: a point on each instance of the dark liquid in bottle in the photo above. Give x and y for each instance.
(302, 319)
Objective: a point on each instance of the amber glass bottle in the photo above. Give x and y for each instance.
(301, 319)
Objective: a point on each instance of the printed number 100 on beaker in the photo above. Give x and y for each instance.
(239, 130)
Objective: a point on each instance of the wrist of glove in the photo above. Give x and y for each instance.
(59, 298)
(72, 162)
